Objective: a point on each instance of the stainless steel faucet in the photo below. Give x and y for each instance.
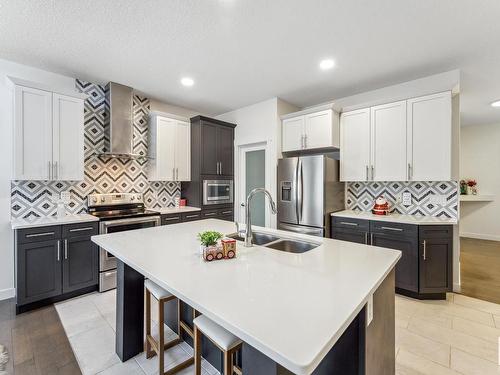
(272, 204)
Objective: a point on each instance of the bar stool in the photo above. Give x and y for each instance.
(153, 346)
(228, 343)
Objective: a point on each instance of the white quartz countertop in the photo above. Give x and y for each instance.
(52, 220)
(396, 218)
(175, 210)
(291, 307)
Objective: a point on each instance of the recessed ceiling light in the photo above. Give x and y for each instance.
(496, 103)
(186, 81)
(326, 64)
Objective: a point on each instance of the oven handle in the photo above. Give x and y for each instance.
(114, 223)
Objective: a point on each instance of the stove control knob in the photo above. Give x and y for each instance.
(138, 197)
(94, 200)
(103, 199)
(132, 197)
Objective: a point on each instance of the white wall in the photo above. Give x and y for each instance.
(156, 105)
(259, 123)
(8, 68)
(480, 160)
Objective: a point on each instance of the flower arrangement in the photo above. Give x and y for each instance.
(468, 186)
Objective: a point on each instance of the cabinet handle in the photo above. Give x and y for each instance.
(392, 228)
(226, 212)
(177, 174)
(172, 218)
(373, 172)
(80, 229)
(367, 173)
(49, 170)
(348, 223)
(424, 255)
(211, 214)
(39, 234)
(55, 172)
(366, 238)
(409, 171)
(58, 250)
(65, 249)
(191, 216)
(371, 238)
(220, 167)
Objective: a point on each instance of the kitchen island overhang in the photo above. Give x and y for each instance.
(292, 308)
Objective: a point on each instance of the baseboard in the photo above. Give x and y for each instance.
(7, 293)
(479, 236)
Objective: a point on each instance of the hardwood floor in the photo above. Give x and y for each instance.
(36, 342)
(480, 269)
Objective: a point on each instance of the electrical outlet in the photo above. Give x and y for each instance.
(406, 198)
(437, 199)
(369, 310)
(65, 197)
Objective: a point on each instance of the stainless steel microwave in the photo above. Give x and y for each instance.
(217, 192)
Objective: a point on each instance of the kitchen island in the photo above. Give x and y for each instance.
(300, 313)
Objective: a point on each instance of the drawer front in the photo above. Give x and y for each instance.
(209, 214)
(80, 229)
(350, 235)
(191, 216)
(171, 219)
(348, 223)
(435, 231)
(39, 234)
(226, 212)
(393, 229)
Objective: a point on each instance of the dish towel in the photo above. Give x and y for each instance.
(4, 358)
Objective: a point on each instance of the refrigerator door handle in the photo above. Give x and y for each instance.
(300, 191)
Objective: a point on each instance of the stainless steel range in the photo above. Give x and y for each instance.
(118, 213)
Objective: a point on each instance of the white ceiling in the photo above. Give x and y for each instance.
(240, 52)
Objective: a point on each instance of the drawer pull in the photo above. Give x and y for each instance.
(392, 228)
(226, 212)
(40, 234)
(172, 218)
(349, 223)
(192, 216)
(108, 274)
(211, 214)
(81, 229)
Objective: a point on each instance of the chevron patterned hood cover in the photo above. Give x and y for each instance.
(361, 195)
(35, 198)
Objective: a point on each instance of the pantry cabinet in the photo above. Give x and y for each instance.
(48, 132)
(169, 149)
(408, 140)
(310, 130)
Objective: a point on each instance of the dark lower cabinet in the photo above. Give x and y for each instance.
(425, 269)
(50, 270)
(220, 213)
(39, 272)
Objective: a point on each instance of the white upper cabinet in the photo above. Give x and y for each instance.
(293, 134)
(388, 142)
(169, 149)
(408, 140)
(67, 130)
(429, 137)
(355, 145)
(310, 129)
(48, 133)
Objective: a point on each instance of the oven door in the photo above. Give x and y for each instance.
(106, 260)
(217, 192)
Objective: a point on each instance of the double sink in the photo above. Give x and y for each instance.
(277, 243)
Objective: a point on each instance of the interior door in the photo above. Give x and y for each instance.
(388, 148)
(293, 132)
(318, 129)
(429, 137)
(183, 151)
(165, 156)
(310, 194)
(68, 138)
(32, 134)
(355, 145)
(287, 190)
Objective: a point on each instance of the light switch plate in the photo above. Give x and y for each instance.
(65, 197)
(437, 199)
(406, 198)
(369, 310)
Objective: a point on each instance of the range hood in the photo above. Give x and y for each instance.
(118, 122)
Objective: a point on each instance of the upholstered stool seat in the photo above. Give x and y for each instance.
(157, 291)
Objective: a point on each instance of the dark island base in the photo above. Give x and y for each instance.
(360, 350)
(424, 296)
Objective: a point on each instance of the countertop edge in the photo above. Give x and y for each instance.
(70, 219)
(395, 218)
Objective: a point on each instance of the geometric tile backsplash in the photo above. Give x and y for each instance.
(35, 198)
(361, 196)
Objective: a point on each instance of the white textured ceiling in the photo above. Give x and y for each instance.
(243, 51)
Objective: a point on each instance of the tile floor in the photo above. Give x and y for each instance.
(458, 336)
(89, 322)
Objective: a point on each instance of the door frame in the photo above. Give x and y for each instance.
(240, 183)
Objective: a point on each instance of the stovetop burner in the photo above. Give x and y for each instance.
(117, 206)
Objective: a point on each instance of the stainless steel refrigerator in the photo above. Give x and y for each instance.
(308, 191)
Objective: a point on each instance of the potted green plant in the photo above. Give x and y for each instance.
(208, 240)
